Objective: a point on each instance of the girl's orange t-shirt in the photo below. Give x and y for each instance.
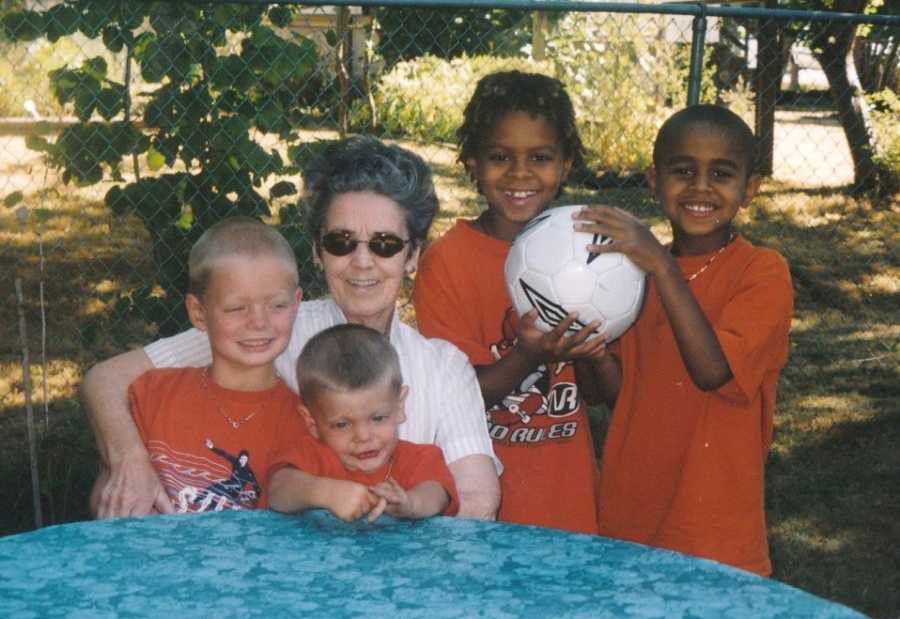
(540, 431)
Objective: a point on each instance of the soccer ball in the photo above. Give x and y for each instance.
(549, 269)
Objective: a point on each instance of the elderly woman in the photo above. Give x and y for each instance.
(369, 207)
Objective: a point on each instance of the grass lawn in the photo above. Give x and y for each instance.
(834, 471)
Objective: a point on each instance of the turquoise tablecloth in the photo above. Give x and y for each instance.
(246, 564)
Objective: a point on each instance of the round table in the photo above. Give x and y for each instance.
(259, 563)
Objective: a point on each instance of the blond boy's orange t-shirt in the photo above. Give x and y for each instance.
(177, 410)
(682, 468)
(540, 431)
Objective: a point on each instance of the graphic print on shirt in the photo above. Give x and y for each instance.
(536, 410)
(197, 483)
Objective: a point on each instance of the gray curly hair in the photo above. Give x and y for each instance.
(365, 163)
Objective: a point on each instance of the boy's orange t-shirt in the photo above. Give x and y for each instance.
(177, 409)
(411, 464)
(540, 431)
(682, 468)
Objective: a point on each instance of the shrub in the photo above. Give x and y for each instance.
(408, 103)
(742, 101)
(624, 79)
(885, 112)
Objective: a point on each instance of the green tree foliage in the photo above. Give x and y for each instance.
(449, 33)
(218, 77)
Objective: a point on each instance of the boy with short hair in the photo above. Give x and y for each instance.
(353, 463)
(211, 432)
(693, 382)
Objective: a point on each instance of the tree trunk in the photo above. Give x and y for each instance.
(768, 79)
(831, 47)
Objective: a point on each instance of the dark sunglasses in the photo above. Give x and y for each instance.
(382, 244)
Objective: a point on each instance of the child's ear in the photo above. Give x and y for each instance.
(752, 188)
(195, 311)
(650, 177)
(472, 169)
(401, 402)
(308, 420)
(567, 168)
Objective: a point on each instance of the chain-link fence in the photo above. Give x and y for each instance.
(127, 128)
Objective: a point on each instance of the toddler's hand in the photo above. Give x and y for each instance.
(557, 345)
(350, 501)
(629, 235)
(398, 503)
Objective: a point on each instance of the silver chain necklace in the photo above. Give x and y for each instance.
(235, 423)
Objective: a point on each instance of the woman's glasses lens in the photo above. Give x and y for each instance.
(382, 244)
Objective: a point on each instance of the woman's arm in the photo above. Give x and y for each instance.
(129, 485)
(478, 486)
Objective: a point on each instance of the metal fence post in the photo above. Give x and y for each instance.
(698, 40)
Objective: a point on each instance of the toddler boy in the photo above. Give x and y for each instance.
(353, 463)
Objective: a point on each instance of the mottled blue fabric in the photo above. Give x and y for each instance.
(258, 563)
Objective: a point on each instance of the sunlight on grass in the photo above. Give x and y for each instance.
(63, 377)
(805, 531)
(812, 416)
(887, 282)
(829, 411)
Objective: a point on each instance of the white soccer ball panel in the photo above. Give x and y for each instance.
(515, 265)
(574, 284)
(548, 251)
(619, 292)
